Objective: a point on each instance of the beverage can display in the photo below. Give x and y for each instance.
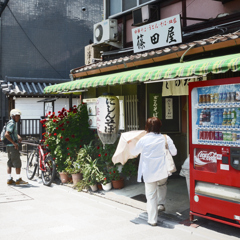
(228, 97)
(216, 135)
(207, 135)
(234, 136)
(212, 135)
(216, 97)
(220, 136)
(208, 98)
(224, 98)
(201, 135)
(229, 136)
(224, 135)
(229, 117)
(233, 96)
(212, 98)
(238, 136)
(203, 98)
(200, 99)
(221, 97)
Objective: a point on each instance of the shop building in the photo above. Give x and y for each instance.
(154, 81)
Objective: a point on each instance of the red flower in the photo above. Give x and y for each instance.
(74, 106)
(105, 154)
(63, 129)
(55, 134)
(61, 137)
(80, 146)
(74, 111)
(67, 148)
(99, 155)
(66, 139)
(105, 178)
(54, 120)
(98, 147)
(44, 125)
(114, 172)
(44, 133)
(68, 122)
(49, 112)
(47, 145)
(56, 128)
(54, 158)
(110, 173)
(50, 134)
(68, 153)
(73, 136)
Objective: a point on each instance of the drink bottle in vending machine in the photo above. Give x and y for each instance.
(214, 136)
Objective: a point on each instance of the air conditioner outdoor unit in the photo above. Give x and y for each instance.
(144, 14)
(105, 31)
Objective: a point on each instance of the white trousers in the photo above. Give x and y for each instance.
(156, 194)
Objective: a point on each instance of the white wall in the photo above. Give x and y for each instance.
(32, 109)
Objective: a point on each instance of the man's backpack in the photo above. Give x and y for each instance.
(3, 138)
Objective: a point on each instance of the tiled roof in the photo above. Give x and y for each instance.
(171, 52)
(28, 86)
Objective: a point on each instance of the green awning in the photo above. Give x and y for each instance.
(198, 67)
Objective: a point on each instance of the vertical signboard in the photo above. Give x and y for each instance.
(168, 108)
(155, 105)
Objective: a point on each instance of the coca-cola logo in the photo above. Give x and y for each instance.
(207, 156)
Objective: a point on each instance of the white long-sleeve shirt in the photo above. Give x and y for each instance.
(152, 160)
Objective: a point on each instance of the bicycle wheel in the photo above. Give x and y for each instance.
(50, 170)
(32, 163)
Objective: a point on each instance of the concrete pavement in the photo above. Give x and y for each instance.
(38, 212)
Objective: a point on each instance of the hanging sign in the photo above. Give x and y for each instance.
(155, 105)
(107, 118)
(168, 108)
(157, 34)
(179, 87)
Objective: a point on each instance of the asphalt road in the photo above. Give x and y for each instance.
(60, 212)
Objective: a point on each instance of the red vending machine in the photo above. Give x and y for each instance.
(214, 110)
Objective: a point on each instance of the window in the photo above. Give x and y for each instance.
(116, 7)
(128, 4)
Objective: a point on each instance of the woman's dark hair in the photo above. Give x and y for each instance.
(153, 124)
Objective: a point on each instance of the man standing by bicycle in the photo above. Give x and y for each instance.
(12, 149)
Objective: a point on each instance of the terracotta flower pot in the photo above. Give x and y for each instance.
(99, 185)
(76, 177)
(118, 184)
(63, 177)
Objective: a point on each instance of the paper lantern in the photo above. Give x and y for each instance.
(107, 118)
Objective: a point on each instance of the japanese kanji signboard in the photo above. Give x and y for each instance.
(155, 105)
(157, 34)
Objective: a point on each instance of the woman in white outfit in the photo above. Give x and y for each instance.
(152, 167)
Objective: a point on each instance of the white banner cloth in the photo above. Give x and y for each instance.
(122, 153)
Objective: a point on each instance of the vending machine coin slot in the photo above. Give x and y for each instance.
(235, 158)
(225, 160)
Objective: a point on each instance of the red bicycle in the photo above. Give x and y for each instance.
(40, 159)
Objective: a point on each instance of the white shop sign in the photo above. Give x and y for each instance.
(168, 108)
(157, 34)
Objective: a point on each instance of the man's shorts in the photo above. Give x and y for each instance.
(13, 157)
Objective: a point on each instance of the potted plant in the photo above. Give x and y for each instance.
(117, 179)
(91, 173)
(129, 171)
(106, 181)
(60, 136)
(74, 168)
